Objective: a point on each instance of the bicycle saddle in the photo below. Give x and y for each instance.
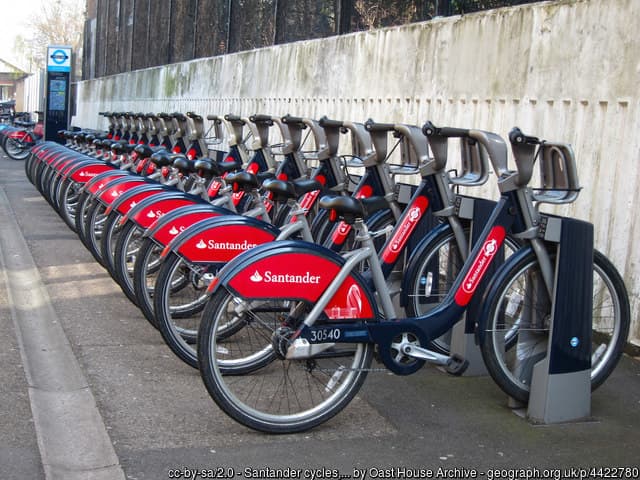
(351, 208)
(226, 167)
(162, 158)
(284, 190)
(146, 151)
(206, 168)
(182, 163)
(243, 181)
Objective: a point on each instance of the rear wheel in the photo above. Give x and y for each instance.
(274, 394)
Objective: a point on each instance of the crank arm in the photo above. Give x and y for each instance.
(454, 364)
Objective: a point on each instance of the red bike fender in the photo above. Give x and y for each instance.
(145, 217)
(221, 243)
(165, 234)
(95, 187)
(64, 165)
(297, 270)
(86, 173)
(58, 159)
(38, 148)
(109, 194)
(124, 208)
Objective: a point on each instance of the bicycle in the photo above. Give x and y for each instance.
(300, 367)
(17, 141)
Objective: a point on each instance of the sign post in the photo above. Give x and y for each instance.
(56, 114)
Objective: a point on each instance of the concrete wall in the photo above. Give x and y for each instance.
(566, 71)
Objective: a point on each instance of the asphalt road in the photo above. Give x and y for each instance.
(88, 390)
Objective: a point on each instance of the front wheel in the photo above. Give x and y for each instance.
(520, 310)
(260, 388)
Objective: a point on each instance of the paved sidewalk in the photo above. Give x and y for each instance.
(156, 415)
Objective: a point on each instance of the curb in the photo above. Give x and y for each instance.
(72, 437)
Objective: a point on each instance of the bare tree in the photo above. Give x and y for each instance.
(60, 22)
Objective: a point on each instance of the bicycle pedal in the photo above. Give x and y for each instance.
(456, 365)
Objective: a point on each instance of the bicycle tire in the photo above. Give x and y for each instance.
(84, 203)
(507, 300)
(257, 396)
(145, 273)
(68, 200)
(93, 224)
(28, 167)
(178, 321)
(125, 248)
(15, 150)
(108, 240)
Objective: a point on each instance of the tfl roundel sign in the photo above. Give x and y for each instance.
(58, 59)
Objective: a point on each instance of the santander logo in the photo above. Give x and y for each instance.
(270, 277)
(480, 265)
(399, 239)
(216, 245)
(87, 174)
(403, 232)
(256, 277)
(344, 228)
(174, 230)
(489, 249)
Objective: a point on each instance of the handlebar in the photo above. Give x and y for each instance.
(429, 129)
(233, 118)
(325, 122)
(493, 144)
(289, 119)
(261, 118)
(372, 126)
(517, 137)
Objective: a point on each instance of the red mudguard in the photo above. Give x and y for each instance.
(297, 270)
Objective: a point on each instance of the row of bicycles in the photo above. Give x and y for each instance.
(287, 258)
